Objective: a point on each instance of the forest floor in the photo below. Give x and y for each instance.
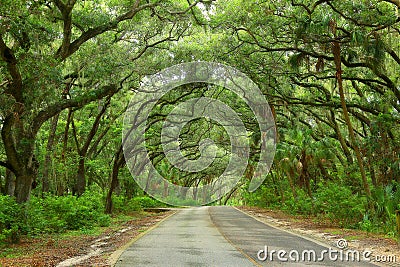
(93, 248)
(383, 248)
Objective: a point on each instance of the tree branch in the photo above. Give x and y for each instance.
(6, 165)
(95, 127)
(393, 55)
(9, 143)
(349, 18)
(66, 12)
(79, 102)
(388, 81)
(93, 32)
(8, 56)
(303, 6)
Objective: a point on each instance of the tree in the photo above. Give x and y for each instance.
(44, 46)
(292, 61)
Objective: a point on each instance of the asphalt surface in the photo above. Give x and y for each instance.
(224, 236)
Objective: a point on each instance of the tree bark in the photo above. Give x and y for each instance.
(49, 151)
(60, 186)
(336, 50)
(10, 183)
(80, 185)
(80, 178)
(119, 160)
(341, 140)
(23, 188)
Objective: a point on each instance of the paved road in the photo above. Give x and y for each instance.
(221, 236)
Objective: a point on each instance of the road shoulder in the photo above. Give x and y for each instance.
(326, 233)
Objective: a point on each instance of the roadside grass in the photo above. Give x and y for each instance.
(11, 253)
(29, 245)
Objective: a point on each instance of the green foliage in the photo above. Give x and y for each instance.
(366, 224)
(124, 205)
(314, 172)
(147, 202)
(301, 204)
(50, 215)
(329, 201)
(58, 214)
(269, 195)
(339, 203)
(382, 218)
(11, 219)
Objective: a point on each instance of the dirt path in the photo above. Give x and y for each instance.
(81, 250)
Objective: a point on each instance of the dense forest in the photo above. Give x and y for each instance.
(330, 71)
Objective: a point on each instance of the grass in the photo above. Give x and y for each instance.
(335, 232)
(353, 237)
(116, 222)
(31, 245)
(11, 253)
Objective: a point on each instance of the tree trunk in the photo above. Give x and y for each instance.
(80, 178)
(60, 186)
(49, 151)
(119, 160)
(82, 151)
(230, 194)
(113, 185)
(337, 58)
(10, 183)
(19, 146)
(341, 140)
(304, 175)
(183, 192)
(148, 181)
(165, 192)
(23, 187)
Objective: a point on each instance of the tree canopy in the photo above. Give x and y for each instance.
(330, 71)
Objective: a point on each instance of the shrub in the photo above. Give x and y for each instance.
(265, 197)
(301, 204)
(147, 202)
(386, 201)
(339, 203)
(330, 200)
(11, 219)
(122, 204)
(58, 214)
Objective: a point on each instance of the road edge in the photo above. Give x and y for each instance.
(326, 245)
(231, 243)
(114, 257)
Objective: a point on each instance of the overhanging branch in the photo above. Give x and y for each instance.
(93, 32)
(6, 165)
(79, 102)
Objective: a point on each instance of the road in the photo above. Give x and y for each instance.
(225, 236)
